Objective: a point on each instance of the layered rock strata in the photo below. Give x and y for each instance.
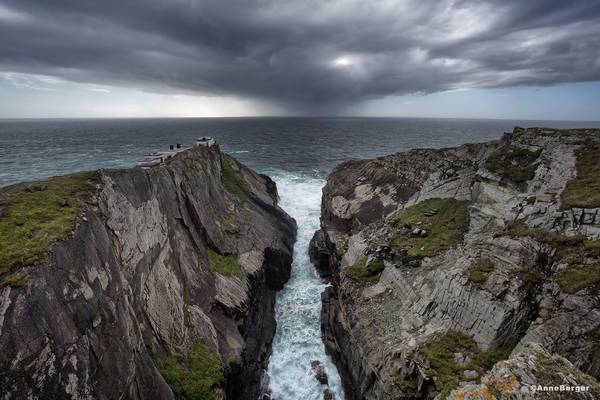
(444, 261)
(163, 287)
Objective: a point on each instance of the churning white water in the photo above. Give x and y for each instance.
(297, 341)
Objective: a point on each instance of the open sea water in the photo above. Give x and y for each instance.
(296, 152)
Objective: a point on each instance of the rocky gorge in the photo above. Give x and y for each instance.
(139, 283)
(465, 273)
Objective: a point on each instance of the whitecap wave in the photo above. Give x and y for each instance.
(298, 341)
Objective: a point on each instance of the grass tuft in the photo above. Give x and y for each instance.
(228, 223)
(584, 190)
(366, 274)
(225, 265)
(232, 182)
(439, 350)
(479, 271)
(572, 250)
(35, 219)
(17, 281)
(513, 163)
(192, 377)
(530, 277)
(445, 229)
(578, 277)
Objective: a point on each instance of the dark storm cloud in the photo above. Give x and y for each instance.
(303, 53)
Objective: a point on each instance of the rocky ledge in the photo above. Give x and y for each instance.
(445, 262)
(142, 283)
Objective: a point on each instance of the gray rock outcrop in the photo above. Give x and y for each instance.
(161, 261)
(502, 264)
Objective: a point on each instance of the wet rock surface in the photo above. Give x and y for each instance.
(319, 372)
(134, 284)
(506, 281)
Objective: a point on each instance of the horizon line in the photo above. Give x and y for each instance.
(292, 117)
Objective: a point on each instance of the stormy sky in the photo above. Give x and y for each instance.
(277, 57)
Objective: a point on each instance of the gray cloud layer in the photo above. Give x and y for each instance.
(310, 53)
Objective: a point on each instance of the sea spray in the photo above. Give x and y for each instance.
(298, 341)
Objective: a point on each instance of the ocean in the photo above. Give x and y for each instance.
(296, 152)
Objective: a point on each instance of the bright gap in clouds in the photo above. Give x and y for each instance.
(342, 62)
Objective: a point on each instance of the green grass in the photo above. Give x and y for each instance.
(479, 271)
(513, 163)
(439, 351)
(578, 277)
(365, 274)
(192, 377)
(224, 265)
(33, 221)
(406, 386)
(584, 190)
(572, 250)
(445, 229)
(232, 182)
(530, 277)
(228, 223)
(16, 281)
(563, 243)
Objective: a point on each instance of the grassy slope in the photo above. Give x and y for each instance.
(578, 252)
(445, 229)
(584, 190)
(225, 265)
(192, 377)
(513, 163)
(34, 220)
(439, 351)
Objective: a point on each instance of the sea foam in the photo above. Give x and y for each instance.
(298, 341)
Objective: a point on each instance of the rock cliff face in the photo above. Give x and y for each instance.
(443, 262)
(163, 287)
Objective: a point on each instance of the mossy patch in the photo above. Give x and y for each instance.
(365, 274)
(193, 377)
(584, 190)
(439, 350)
(406, 386)
(445, 229)
(578, 277)
(225, 265)
(228, 223)
(18, 280)
(36, 215)
(232, 182)
(530, 277)
(575, 251)
(479, 271)
(513, 163)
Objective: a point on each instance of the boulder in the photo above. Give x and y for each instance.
(37, 187)
(319, 372)
(470, 374)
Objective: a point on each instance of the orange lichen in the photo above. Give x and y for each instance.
(506, 384)
(477, 393)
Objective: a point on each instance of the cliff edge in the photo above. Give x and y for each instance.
(141, 283)
(444, 262)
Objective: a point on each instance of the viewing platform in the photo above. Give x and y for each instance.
(160, 157)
